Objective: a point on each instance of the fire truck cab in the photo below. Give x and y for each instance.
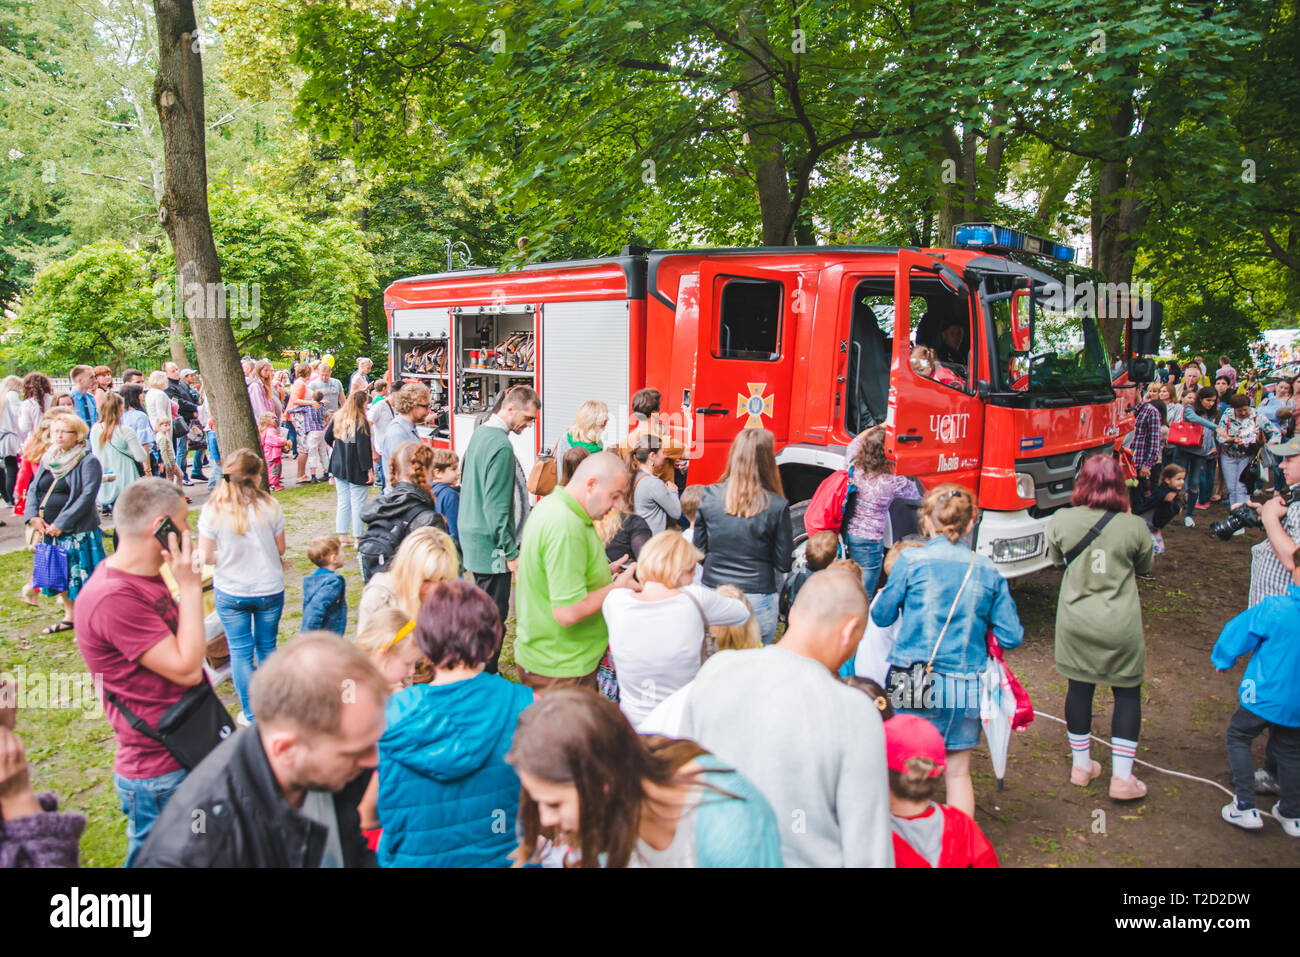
(814, 343)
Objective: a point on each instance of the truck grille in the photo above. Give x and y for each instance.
(1054, 476)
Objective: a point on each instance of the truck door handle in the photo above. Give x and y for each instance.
(909, 438)
(713, 409)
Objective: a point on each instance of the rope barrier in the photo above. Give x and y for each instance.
(1146, 764)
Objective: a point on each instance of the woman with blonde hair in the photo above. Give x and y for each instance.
(589, 424)
(743, 527)
(351, 463)
(11, 445)
(949, 598)
(427, 556)
(260, 392)
(742, 637)
(118, 449)
(61, 506)
(657, 635)
(241, 529)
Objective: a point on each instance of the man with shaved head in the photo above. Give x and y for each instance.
(564, 577)
(814, 746)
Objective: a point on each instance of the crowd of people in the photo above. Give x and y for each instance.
(661, 715)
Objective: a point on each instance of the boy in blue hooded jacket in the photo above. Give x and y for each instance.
(324, 591)
(1269, 700)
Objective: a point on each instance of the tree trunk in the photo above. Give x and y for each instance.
(756, 102)
(176, 340)
(178, 97)
(1117, 218)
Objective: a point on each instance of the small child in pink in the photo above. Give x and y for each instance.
(273, 444)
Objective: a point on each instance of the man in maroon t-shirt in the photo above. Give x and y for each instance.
(148, 649)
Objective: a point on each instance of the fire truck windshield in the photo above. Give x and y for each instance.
(1040, 349)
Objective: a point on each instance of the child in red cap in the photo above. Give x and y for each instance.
(927, 834)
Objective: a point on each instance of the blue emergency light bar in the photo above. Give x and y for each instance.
(1000, 238)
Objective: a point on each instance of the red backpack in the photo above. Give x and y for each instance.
(830, 504)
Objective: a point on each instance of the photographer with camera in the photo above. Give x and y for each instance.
(32, 831)
(1272, 560)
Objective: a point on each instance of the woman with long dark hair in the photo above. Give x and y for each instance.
(743, 527)
(1198, 460)
(1099, 638)
(351, 464)
(618, 799)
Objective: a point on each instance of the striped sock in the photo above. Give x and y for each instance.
(1122, 757)
(1080, 753)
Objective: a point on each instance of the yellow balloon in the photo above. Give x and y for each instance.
(327, 358)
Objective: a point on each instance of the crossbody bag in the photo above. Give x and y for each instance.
(906, 687)
(190, 729)
(710, 643)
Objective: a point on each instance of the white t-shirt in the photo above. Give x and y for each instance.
(872, 660)
(656, 644)
(248, 565)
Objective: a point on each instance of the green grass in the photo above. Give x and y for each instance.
(72, 754)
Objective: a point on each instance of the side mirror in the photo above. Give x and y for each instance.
(1145, 339)
(1141, 369)
(982, 389)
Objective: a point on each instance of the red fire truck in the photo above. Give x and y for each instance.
(813, 343)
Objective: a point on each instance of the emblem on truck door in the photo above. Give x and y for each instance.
(755, 405)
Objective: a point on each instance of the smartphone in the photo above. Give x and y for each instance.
(168, 527)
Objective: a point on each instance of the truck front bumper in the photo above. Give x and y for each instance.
(1015, 541)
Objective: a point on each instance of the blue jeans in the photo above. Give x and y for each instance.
(252, 626)
(349, 498)
(214, 457)
(142, 800)
(1195, 465)
(870, 556)
(767, 611)
(182, 453)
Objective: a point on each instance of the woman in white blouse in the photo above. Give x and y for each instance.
(656, 635)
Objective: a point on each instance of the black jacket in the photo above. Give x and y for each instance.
(350, 461)
(229, 812)
(80, 513)
(187, 400)
(753, 554)
(402, 508)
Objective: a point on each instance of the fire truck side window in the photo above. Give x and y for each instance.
(944, 327)
(749, 321)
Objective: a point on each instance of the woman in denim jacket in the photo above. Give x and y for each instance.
(926, 584)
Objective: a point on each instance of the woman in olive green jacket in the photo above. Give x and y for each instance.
(1099, 636)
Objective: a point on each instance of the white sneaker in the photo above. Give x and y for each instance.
(1250, 820)
(241, 720)
(1240, 531)
(1289, 824)
(1265, 783)
(1188, 522)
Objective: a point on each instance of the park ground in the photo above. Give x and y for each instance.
(1038, 820)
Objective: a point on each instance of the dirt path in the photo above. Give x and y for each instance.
(1041, 819)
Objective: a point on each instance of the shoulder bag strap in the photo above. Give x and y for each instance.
(951, 611)
(1088, 539)
(40, 509)
(707, 645)
(136, 722)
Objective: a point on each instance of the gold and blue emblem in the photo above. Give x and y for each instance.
(755, 405)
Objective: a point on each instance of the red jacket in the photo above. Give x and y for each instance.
(963, 843)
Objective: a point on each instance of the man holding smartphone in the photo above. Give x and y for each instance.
(148, 648)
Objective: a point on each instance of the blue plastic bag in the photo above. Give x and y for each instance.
(50, 567)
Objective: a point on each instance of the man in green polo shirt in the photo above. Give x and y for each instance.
(564, 577)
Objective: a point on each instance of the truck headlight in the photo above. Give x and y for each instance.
(1025, 485)
(1016, 549)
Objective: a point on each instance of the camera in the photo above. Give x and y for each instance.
(1243, 516)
